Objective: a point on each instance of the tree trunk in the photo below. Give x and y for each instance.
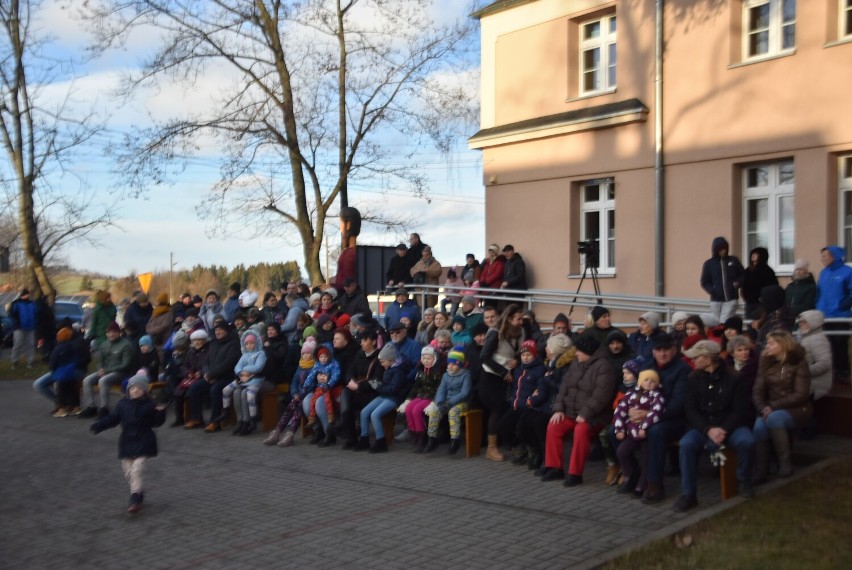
(31, 245)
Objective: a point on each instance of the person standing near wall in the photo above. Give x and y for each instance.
(834, 299)
(721, 277)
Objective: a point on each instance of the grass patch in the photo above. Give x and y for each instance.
(21, 372)
(805, 524)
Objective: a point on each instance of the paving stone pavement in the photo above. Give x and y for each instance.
(217, 501)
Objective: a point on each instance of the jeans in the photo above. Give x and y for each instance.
(43, 386)
(695, 441)
(104, 383)
(778, 419)
(373, 412)
(660, 437)
(723, 309)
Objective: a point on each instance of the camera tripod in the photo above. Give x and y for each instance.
(593, 271)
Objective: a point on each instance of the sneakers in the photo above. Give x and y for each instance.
(75, 411)
(685, 503)
(273, 437)
(403, 436)
(60, 413)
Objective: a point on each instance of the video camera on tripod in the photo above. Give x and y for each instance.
(591, 250)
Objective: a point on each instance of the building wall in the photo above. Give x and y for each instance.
(720, 114)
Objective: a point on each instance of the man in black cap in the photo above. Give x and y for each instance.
(673, 372)
(406, 347)
(398, 269)
(352, 300)
(601, 324)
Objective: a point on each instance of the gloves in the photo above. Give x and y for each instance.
(374, 384)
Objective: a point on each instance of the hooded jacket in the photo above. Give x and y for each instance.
(721, 276)
(491, 276)
(800, 295)
(817, 353)
(757, 276)
(515, 272)
(252, 361)
(784, 385)
(834, 288)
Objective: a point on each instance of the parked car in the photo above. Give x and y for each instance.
(6, 327)
(69, 309)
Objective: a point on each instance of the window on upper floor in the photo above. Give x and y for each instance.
(768, 211)
(846, 18)
(769, 28)
(845, 194)
(597, 55)
(597, 222)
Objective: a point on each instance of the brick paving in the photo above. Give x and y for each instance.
(217, 501)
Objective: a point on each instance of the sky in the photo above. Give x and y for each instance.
(164, 221)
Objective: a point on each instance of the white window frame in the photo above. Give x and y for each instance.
(604, 206)
(774, 29)
(775, 192)
(844, 193)
(845, 19)
(605, 43)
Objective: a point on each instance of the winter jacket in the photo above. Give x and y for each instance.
(150, 362)
(222, 357)
(117, 356)
(800, 295)
(834, 288)
(454, 388)
(209, 312)
(330, 369)
(194, 362)
(394, 384)
(136, 317)
(251, 361)
(159, 326)
(354, 304)
(364, 367)
(395, 312)
(528, 379)
(276, 356)
(398, 270)
(137, 417)
(63, 362)
(102, 315)
(784, 385)
(617, 360)
(426, 381)
(673, 382)
(642, 345)
(587, 390)
(651, 401)
(471, 319)
(23, 315)
(409, 351)
(289, 324)
(818, 354)
(721, 276)
(758, 276)
(716, 399)
(515, 272)
(491, 276)
(430, 267)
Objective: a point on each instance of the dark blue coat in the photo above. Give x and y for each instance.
(395, 384)
(722, 276)
(137, 417)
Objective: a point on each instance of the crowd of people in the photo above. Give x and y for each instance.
(702, 383)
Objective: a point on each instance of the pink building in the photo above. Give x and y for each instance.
(740, 125)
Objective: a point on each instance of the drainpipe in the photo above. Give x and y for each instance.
(659, 171)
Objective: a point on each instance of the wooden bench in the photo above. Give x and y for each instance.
(388, 421)
(727, 472)
(269, 406)
(472, 432)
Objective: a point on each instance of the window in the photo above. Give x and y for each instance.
(768, 211)
(769, 26)
(846, 18)
(845, 194)
(597, 224)
(597, 56)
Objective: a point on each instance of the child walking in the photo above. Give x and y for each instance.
(138, 415)
(634, 435)
(450, 400)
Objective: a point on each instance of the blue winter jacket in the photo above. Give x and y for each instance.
(23, 314)
(834, 288)
(254, 361)
(454, 388)
(394, 384)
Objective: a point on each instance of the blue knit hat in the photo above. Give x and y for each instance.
(634, 366)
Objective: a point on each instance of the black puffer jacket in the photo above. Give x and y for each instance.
(138, 417)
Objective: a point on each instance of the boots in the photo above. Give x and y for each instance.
(287, 440)
(330, 437)
(431, 445)
(761, 462)
(493, 452)
(454, 446)
(781, 442)
(419, 441)
(379, 446)
(520, 457)
(238, 430)
(363, 444)
(272, 439)
(319, 435)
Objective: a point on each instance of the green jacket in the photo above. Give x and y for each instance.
(116, 356)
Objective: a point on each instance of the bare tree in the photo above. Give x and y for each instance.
(319, 87)
(39, 135)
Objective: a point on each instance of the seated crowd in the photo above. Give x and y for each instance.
(703, 385)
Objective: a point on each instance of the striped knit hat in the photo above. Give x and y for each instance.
(456, 356)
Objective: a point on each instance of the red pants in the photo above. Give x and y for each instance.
(555, 443)
(331, 397)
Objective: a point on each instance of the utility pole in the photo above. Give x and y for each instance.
(171, 267)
